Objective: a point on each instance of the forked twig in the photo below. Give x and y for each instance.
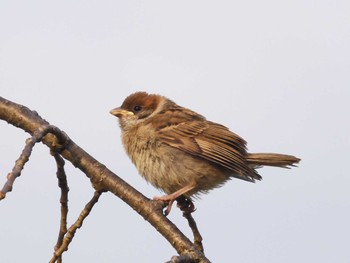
(78, 223)
(24, 157)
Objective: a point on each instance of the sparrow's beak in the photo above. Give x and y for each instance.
(119, 112)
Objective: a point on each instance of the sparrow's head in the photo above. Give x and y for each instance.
(137, 107)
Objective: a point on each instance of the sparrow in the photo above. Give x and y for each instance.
(182, 153)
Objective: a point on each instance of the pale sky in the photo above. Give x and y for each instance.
(275, 72)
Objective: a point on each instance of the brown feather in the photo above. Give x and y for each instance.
(272, 159)
(207, 140)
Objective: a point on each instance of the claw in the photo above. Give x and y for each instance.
(185, 204)
(166, 198)
(174, 196)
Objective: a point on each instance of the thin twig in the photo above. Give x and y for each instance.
(78, 223)
(62, 183)
(23, 159)
(187, 207)
(196, 235)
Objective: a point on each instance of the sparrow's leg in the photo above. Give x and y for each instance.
(172, 197)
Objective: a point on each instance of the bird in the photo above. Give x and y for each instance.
(182, 153)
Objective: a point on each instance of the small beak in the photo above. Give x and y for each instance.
(118, 112)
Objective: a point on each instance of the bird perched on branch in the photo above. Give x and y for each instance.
(182, 153)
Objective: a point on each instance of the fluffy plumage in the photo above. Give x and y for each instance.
(182, 153)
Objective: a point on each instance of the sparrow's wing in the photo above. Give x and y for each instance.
(212, 142)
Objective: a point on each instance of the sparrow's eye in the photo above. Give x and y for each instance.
(137, 108)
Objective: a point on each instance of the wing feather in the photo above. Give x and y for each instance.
(211, 141)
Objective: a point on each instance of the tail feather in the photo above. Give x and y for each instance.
(272, 159)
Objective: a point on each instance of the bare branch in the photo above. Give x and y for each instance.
(187, 207)
(196, 235)
(62, 183)
(23, 159)
(101, 177)
(71, 231)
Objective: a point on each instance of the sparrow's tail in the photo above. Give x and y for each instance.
(272, 159)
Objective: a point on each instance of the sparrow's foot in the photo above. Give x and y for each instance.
(166, 198)
(172, 197)
(185, 204)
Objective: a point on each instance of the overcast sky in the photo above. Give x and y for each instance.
(275, 72)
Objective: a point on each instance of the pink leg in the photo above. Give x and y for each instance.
(172, 197)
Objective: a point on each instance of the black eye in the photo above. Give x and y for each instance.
(137, 108)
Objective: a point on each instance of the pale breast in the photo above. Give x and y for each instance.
(171, 169)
